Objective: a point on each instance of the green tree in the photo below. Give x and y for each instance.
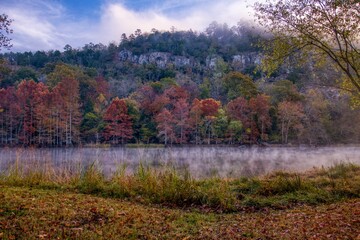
(234, 131)
(205, 89)
(60, 72)
(134, 113)
(91, 125)
(220, 69)
(25, 73)
(239, 85)
(220, 125)
(39, 59)
(284, 90)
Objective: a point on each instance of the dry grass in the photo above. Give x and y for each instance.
(171, 188)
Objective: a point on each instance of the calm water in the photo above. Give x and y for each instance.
(200, 161)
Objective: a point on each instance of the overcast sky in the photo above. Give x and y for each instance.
(51, 24)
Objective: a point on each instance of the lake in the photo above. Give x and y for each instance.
(200, 161)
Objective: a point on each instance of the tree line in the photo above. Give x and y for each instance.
(73, 108)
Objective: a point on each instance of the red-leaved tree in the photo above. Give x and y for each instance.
(165, 125)
(68, 91)
(260, 106)
(181, 119)
(118, 122)
(9, 116)
(30, 97)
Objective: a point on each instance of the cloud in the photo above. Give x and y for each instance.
(45, 25)
(197, 15)
(41, 25)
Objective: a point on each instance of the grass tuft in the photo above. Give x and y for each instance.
(91, 180)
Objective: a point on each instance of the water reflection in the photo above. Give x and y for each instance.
(200, 161)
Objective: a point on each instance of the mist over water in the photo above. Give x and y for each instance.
(200, 161)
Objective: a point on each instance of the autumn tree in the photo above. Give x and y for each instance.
(176, 93)
(318, 117)
(145, 96)
(159, 103)
(181, 113)
(165, 125)
(260, 106)
(291, 116)
(196, 120)
(5, 30)
(9, 116)
(323, 29)
(254, 116)
(239, 110)
(42, 114)
(135, 115)
(30, 97)
(118, 122)
(209, 107)
(2, 115)
(150, 100)
(202, 117)
(69, 102)
(57, 122)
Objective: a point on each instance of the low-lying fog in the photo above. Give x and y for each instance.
(200, 161)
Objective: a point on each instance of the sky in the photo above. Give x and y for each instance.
(52, 24)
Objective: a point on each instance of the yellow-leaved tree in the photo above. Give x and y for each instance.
(321, 29)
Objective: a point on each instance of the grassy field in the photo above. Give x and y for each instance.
(48, 204)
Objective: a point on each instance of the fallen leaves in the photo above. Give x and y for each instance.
(48, 214)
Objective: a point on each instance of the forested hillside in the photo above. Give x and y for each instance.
(172, 87)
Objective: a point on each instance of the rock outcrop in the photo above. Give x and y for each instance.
(163, 59)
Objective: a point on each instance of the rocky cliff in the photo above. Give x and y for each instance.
(164, 59)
